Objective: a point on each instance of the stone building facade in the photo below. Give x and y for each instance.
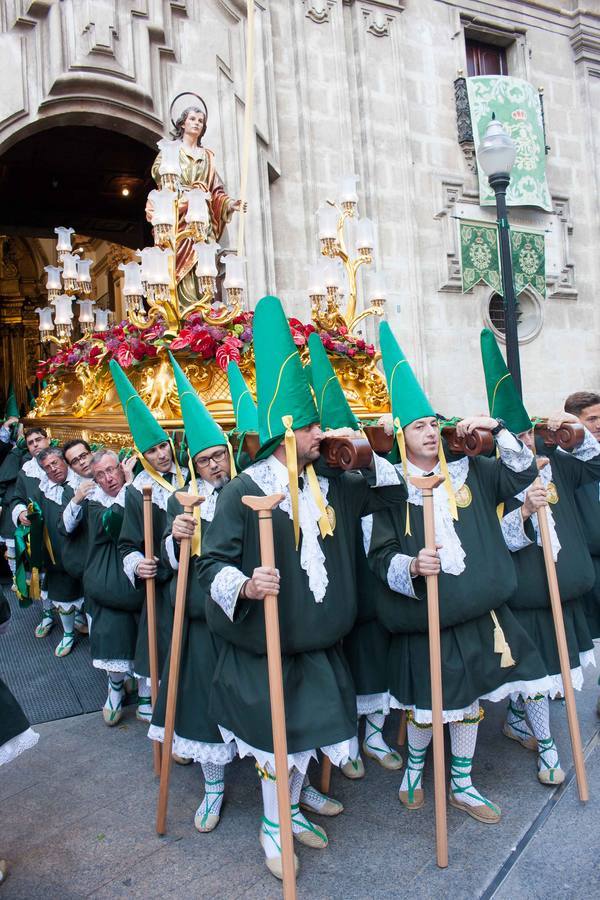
(341, 86)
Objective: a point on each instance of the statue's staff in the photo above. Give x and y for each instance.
(151, 615)
(426, 485)
(248, 122)
(264, 506)
(189, 502)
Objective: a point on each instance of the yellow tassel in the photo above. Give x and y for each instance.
(179, 473)
(197, 537)
(500, 644)
(291, 460)
(447, 482)
(156, 476)
(232, 468)
(34, 585)
(48, 546)
(313, 482)
(402, 447)
(500, 511)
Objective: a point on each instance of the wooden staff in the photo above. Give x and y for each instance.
(263, 506)
(188, 501)
(426, 485)
(563, 653)
(151, 615)
(325, 775)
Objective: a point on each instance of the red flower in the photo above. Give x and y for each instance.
(225, 353)
(124, 356)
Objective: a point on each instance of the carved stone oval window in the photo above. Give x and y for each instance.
(530, 316)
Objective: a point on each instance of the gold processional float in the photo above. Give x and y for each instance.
(188, 295)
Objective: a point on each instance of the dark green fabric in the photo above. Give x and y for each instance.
(282, 388)
(13, 720)
(199, 656)
(489, 579)
(587, 498)
(334, 409)
(319, 694)
(539, 625)
(130, 539)
(366, 649)
(574, 567)
(407, 397)
(61, 586)
(503, 398)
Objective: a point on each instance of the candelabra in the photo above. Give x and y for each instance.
(326, 277)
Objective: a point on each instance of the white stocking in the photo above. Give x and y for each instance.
(68, 620)
(214, 788)
(463, 738)
(418, 738)
(538, 714)
(270, 821)
(116, 691)
(515, 717)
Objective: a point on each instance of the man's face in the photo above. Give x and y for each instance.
(308, 443)
(590, 417)
(528, 439)
(36, 442)
(160, 457)
(423, 438)
(212, 465)
(55, 468)
(80, 460)
(109, 475)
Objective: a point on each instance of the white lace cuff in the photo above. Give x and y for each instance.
(170, 548)
(4, 434)
(588, 449)
(515, 455)
(513, 531)
(367, 530)
(71, 516)
(226, 587)
(385, 472)
(398, 576)
(130, 563)
(19, 508)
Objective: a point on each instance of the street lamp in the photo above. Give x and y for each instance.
(496, 156)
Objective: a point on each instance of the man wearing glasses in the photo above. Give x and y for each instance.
(78, 455)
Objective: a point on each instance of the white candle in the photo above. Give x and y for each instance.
(155, 265)
(365, 239)
(63, 305)
(164, 206)
(234, 271)
(316, 279)
(64, 237)
(197, 210)
(133, 279)
(327, 217)
(206, 259)
(45, 314)
(333, 274)
(376, 286)
(70, 265)
(348, 189)
(86, 311)
(53, 281)
(83, 270)
(169, 157)
(102, 319)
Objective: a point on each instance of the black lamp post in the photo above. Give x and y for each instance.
(496, 156)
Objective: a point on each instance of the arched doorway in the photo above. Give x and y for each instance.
(91, 178)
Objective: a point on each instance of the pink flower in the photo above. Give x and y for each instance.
(225, 354)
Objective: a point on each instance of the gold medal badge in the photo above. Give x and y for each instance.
(551, 493)
(463, 496)
(331, 516)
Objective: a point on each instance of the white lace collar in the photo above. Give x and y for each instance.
(452, 555)
(210, 494)
(53, 491)
(98, 495)
(271, 476)
(160, 494)
(545, 476)
(32, 468)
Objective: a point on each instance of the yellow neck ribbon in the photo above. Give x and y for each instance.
(402, 447)
(447, 482)
(197, 537)
(291, 460)
(232, 466)
(313, 482)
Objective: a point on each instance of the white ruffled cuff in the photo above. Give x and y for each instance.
(130, 564)
(588, 449)
(226, 587)
(398, 575)
(71, 516)
(170, 548)
(385, 472)
(19, 508)
(513, 531)
(514, 454)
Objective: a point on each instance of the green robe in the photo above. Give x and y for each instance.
(61, 586)
(111, 602)
(9, 472)
(470, 667)
(199, 655)
(131, 539)
(587, 498)
(13, 721)
(320, 700)
(574, 567)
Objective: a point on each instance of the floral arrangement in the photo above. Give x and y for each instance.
(130, 345)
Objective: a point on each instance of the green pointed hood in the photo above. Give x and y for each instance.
(12, 408)
(145, 430)
(334, 409)
(503, 398)
(244, 407)
(201, 430)
(31, 399)
(282, 389)
(407, 398)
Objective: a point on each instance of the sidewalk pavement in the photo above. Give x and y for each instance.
(77, 820)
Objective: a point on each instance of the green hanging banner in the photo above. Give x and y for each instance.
(529, 260)
(479, 255)
(516, 104)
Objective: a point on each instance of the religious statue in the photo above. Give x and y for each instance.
(182, 166)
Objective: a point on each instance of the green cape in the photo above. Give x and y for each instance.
(145, 430)
(201, 430)
(334, 409)
(503, 398)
